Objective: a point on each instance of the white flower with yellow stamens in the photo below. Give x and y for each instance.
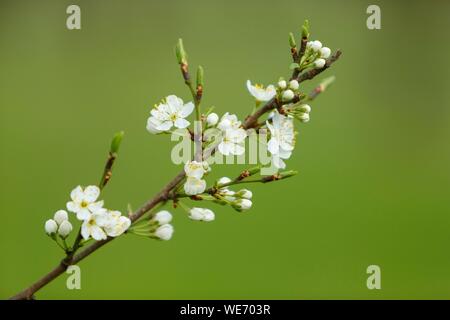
(84, 201)
(260, 93)
(171, 112)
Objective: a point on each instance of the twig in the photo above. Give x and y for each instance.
(250, 122)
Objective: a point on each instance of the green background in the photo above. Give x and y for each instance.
(374, 161)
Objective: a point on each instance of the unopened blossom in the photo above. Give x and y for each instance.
(293, 84)
(314, 45)
(93, 225)
(305, 108)
(223, 180)
(212, 119)
(114, 223)
(51, 226)
(304, 117)
(260, 93)
(65, 228)
(84, 201)
(163, 217)
(319, 63)
(287, 95)
(164, 232)
(60, 216)
(325, 52)
(201, 214)
(194, 186)
(233, 141)
(245, 194)
(282, 84)
(171, 112)
(242, 204)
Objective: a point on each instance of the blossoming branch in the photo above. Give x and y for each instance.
(277, 107)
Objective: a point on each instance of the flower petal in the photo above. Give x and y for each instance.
(181, 123)
(186, 110)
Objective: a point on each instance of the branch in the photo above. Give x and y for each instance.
(250, 122)
(310, 74)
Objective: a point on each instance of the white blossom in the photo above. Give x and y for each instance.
(201, 214)
(171, 112)
(194, 169)
(163, 217)
(282, 84)
(114, 223)
(84, 202)
(260, 93)
(242, 204)
(325, 52)
(60, 216)
(194, 186)
(293, 84)
(223, 180)
(287, 95)
(164, 232)
(245, 194)
(319, 63)
(229, 121)
(314, 45)
(282, 139)
(65, 228)
(93, 225)
(233, 141)
(51, 226)
(212, 119)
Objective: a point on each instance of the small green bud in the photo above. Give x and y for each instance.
(287, 174)
(254, 170)
(305, 30)
(292, 40)
(181, 54)
(116, 141)
(200, 74)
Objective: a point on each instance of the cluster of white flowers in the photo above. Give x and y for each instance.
(171, 112)
(201, 214)
(233, 135)
(60, 223)
(319, 53)
(98, 222)
(194, 173)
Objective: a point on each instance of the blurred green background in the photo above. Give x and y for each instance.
(374, 161)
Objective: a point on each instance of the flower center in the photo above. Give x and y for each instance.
(173, 116)
(84, 204)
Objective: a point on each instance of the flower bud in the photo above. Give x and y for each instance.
(282, 84)
(163, 217)
(181, 54)
(292, 40)
(316, 45)
(65, 228)
(60, 216)
(305, 108)
(303, 117)
(201, 214)
(223, 180)
(325, 52)
(51, 226)
(293, 84)
(245, 194)
(164, 232)
(200, 76)
(305, 29)
(319, 63)
(242, 204)
(212, 119)
(116, 141)
(288, 95)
